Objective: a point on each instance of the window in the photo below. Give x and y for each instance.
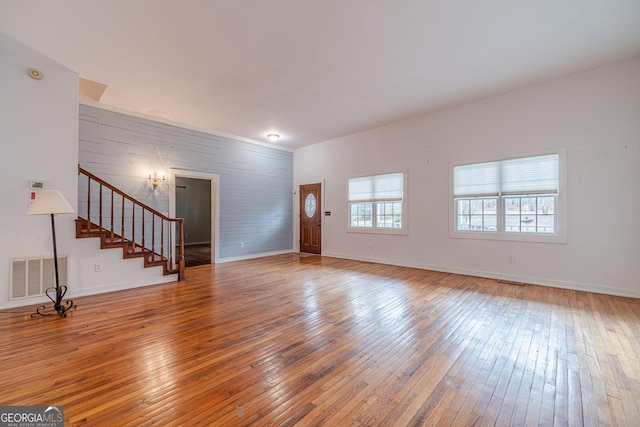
(508, 197)
(477, 214)
(377, 202)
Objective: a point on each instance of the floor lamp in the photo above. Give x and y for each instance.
(51, 202)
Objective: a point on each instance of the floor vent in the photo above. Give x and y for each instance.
(32, 276)
(510, 282)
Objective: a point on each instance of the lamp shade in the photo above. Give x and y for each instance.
(50, 202)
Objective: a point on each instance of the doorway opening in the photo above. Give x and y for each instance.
(195, 198)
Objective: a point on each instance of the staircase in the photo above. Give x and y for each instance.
(120, 221)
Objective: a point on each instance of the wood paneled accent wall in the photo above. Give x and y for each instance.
(256, 182)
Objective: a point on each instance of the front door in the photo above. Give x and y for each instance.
(310, 219)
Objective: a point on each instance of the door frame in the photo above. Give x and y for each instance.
(215, 202)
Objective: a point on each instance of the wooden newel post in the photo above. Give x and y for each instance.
(181, 261)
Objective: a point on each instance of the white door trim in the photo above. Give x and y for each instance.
(215, 202)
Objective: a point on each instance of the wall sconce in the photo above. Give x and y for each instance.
(155, 181)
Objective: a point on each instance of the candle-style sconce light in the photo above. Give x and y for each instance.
(155, 180)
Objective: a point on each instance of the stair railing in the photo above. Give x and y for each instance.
(142, 230)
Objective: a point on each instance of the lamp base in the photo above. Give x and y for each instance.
(59, 308)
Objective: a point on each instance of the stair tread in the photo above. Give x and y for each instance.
(111, 240)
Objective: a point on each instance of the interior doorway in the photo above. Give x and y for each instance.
(193, 203)
(194, 197)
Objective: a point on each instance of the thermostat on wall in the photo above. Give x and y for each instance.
(37, 185)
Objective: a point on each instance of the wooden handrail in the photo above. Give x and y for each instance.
(82, 171)
(159, 251)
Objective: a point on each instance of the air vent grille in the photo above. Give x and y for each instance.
(32, 276)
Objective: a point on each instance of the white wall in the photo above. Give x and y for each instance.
(39, 140)
(39, 137)
(595, 115)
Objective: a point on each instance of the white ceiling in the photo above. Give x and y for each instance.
(316, 70)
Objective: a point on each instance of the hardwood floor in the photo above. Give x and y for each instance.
(289, 340)
(195, 255)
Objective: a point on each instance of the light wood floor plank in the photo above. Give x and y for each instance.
(317, 341)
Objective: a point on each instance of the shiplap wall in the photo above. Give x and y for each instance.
(256, 182)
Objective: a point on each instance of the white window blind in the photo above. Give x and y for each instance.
(530, 175)
(480, 179)
(377, 188)
(526, 175)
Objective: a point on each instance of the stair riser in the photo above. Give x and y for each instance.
(107, 242)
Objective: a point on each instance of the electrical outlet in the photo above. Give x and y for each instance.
(241, 245)
(98, 267)
(511, 259)
(370, 246)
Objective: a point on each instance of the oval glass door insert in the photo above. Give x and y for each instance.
(310, 205)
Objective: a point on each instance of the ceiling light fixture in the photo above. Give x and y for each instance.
(35, 74)
(273, 137)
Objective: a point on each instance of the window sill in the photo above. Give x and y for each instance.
(389, 231)
(511, 237)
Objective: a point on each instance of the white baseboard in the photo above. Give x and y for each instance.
(576, 286)
(42, 299)
(76, 293)
(252, 256)
(127, 285)
(561, 284)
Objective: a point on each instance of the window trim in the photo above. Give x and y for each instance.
(560, 236)
(379, 230)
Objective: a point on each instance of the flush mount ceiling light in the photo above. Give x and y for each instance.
(273, 137)
(35, 74)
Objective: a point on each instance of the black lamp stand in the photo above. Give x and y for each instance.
(57, 290)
